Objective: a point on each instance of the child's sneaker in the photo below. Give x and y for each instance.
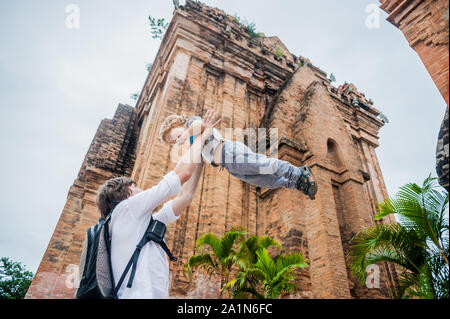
(307, 182)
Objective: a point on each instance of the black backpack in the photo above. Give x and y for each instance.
(97, 280)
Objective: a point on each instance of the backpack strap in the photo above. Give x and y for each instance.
(134, 259)
(168, 252)
(108, 246)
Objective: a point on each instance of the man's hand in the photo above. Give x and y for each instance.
(199, 126)
(208, 120)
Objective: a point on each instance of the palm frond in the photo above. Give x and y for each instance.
(231, 283)
(210, 240)
(227, 242)
(418, 208)
(282, 287)
(265, 263)
(390, 243)
(267, 241)
(198, 261)
(252, 291)
(255, 273)
(252, 244)
(286, 273)
(294, 258)
(419, 244)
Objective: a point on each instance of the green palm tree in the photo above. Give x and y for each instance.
(277, 274)
(247, 280)
(220, 257)
(257, 268)
(418, 245)
(249, 263)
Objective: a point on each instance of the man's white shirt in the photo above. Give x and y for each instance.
(129, 221)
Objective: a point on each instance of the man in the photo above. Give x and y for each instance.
(131, 210)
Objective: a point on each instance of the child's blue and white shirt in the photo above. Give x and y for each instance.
(211, 143)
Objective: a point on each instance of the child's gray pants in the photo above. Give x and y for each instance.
(258, 169)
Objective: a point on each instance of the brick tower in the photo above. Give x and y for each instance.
(207, 60)
(425, 26)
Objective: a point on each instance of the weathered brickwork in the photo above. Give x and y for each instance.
(208, 61)
(425, 24)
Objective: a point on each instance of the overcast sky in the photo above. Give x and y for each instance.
(57, 84)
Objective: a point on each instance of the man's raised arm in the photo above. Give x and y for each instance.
(186, 195)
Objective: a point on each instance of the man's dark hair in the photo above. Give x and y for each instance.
(112, 193)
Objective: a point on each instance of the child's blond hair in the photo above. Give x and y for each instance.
(169, 123)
